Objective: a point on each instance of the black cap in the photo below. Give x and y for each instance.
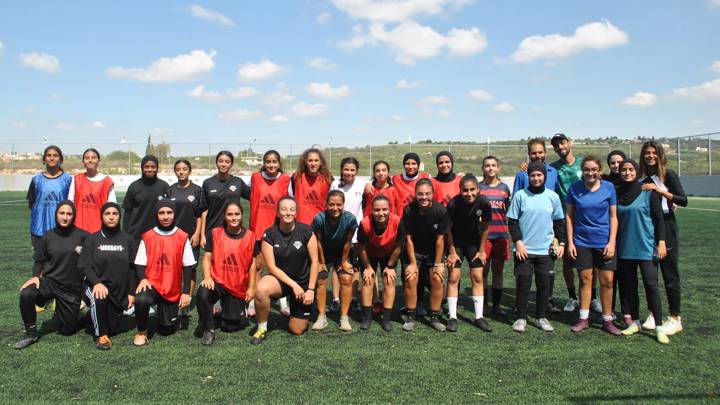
(557, 138)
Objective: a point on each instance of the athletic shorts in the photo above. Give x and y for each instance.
(498, 249)
(425, 265)
(467, 253)
(541, 265)
(588, 258)
(233, 308)
(297, 308)
(335, 263)
(167, 312)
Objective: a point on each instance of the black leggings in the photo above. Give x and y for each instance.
(233, 316)
(629, 286)
(67, 305)
(669, 265)
(105, 315)
(542, 267)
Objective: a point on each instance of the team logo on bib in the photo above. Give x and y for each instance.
(232, 188)
(297, 244)
(78, 249)
(435, 226)
(191, 198)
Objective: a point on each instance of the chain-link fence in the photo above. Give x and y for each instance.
(689, 155)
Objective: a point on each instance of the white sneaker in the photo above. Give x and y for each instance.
(649, 323)
(320, 324)
(520, 325)
(284, 308)
(672, 326)
(544, 324)
(596, 306)
(571, 305)
(251, 309)
(345, 324)
(152, 310)
(130, 311)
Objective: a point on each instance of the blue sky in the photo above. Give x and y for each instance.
(306, 71)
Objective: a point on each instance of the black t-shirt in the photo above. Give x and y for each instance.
(467, 219)
(217, 193)
(139, 206)
(109, 260)
(291, 251)
(61, 252)
(423, 229)
(189, 205)
(209, 240)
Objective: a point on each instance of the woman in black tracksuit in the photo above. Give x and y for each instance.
(664, 181)
(107, 262)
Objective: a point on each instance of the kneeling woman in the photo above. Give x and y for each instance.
(380, 239)
(107, 262)
(334, 230)
(290, 252)
(55, 276)
(533, 231)
(164, 265)
(229, 267)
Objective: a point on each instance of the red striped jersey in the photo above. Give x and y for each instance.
(310, 194)
(499, 197)
(89, 196)
(443, 192)
(405, 190)
(231, 260)
(165, 262)
(264, 196)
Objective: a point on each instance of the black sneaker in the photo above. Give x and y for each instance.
(437, 324)
(387, 326)
(483, 325)
(208, 338)
(452, 325)
(26, 341)
(497, 311)
(365, 324)
(552, 308)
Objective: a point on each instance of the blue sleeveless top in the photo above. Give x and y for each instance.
(636, 232)
(46, 194)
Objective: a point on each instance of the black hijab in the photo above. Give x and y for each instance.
(145, 179)
(106, 229)
(449, 176)
(628, 191)
(537, 166)
(164, 203)
(65, 230)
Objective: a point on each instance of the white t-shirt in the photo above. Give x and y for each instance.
(353, 199)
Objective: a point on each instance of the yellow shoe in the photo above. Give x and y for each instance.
(39, 309)
(259, 336)
(632, 329)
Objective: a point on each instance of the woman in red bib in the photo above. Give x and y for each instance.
(229, 267)
(380, 240)
(310, 185)
(405, 183)
(164, 265)
(89, 191)
(447, 183)
(381, 185)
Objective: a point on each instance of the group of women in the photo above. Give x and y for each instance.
(306, 228)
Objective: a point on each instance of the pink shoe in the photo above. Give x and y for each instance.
(610, 328)
(580, 325)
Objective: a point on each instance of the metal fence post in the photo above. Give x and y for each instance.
(709, 156)
(678, 159)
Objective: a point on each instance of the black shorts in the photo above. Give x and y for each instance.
(424, 265)
(167, 312)
(336, 263)
(297, 308)
(233, 308)
(588, 258)
(540, 265)
(467, 253)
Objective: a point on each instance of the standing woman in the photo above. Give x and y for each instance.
(405, 183)
(353, 190)
(497, 248)
(290, 251)
(427, 224)
(229, 267)
(470, 214)
(380, 184)
(334, 231)
(218, 190)
(46, 190)
(310, 184)
(591, 220)
(665, 182)
(55, 276)
(380, 239)
(163, 263)
(614, 159)
(641, 241)
(446, 183)
(536, 222)
(89, 191)
(107, 262)
(141, 197)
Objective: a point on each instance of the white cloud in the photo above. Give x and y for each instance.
(389, 11)
(69, 126)
(20, 125)
(640, 99)
(323, 18)
(64, 126)
(29, 110)
(181, 68)
(595, 35)
(56, 96)
(480, 95)
(444, 113)
(537, 109)
(95, 125)
(199, 93)
(716, 65)
(302, 109)
(278, 118)
(404, 84)
(241, 92)
(325, 90)
(504, 107)
(321, 64)
(263, 70)
(714, 3)
(40, 61)
(697, 121)
(703, 92)
(430, 100)
(466, 42)
(280, 96)
(202, 13)
(397, 117)
(239, 115)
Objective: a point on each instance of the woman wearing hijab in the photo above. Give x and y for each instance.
(163, 264)
(55, 276)
(107, 262)
(446, 183)
(404, 183)
(141, 197)
(641, 242)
